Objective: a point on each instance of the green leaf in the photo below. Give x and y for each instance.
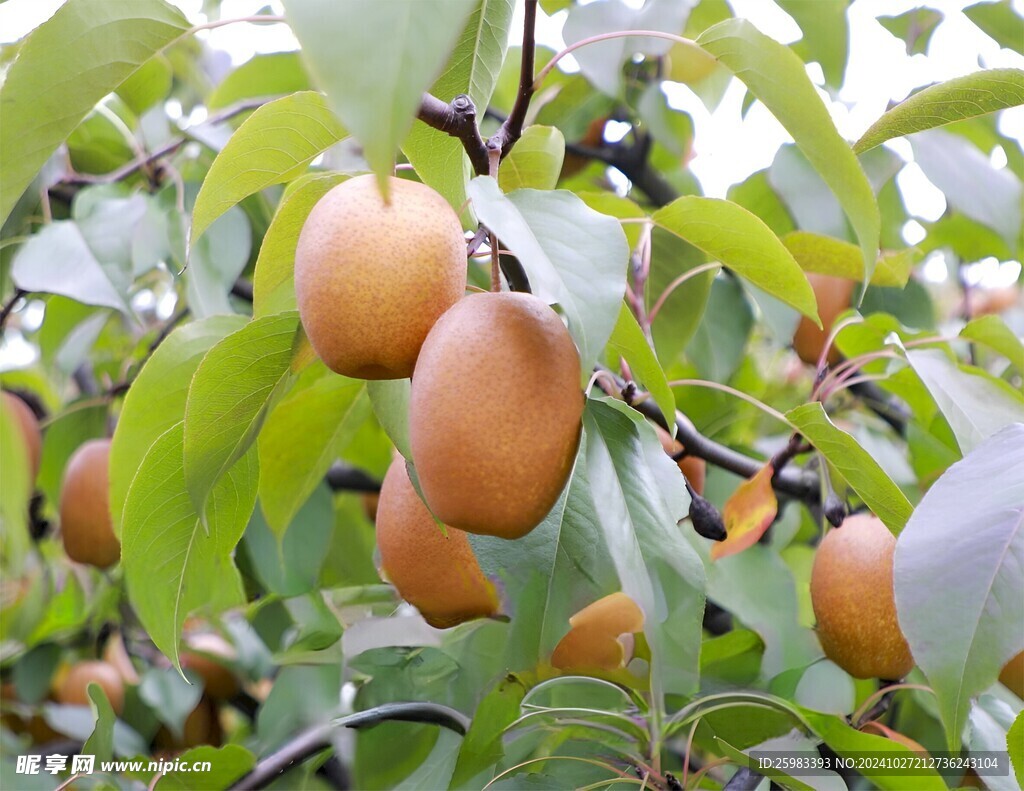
(742, 759)
(291, 566)
(230, 394)
(717, 347)
(439, 159)
(273, 74)
(227, 764)
(991, 722)
(150, 84)
(67, 64)
(1000, 21)
(628, 341)
(639, 496)
(390, 399)
(756, 195)
(851, 743)
(216, 261)
(738, 239)
(914, 27)
(993, 332)
(964, 97)
(855, 464)
(602, 62)
(101, 742)
(156, 400)
(683, 309)
(557, 569)
(483, 746)
(829, 256)
(58, 260)
(81, 422)
(826, 35)
(572, 255)
(976, 406)
(16, 487)
(302, 436)
(172, 565)
(535, 162)
(274, 144)
(274, 280)
(971, 184)
(962, 628)
(375, 72)
(777, 78)
(758, 588)
(670, 127)
(1015, 746)
(171, 697)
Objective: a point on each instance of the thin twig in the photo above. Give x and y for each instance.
(8, 306)
(318, 738)
(165, 150)
(800, 484)
(512, 127)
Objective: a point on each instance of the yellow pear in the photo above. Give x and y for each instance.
(85, 523)
(854, 603)
(437, 572)
(600, 636)
(371, 278)
(494, 415)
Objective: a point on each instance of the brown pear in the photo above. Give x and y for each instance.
(201, 727)
(692, 467)
(834, 295)
(372, 277)
(600, 636)
(853, 600)
(1012, 675)
(208, 654)
(73, 688)
(494, 416)
(436, 571)
(85, 522)
(30, 433)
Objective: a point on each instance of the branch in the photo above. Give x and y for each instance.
(512, 127)
(164, 150)
(318, 738)
(341, 477)
(8, 306)
(801, 484)
(745, 779)
(457, 119)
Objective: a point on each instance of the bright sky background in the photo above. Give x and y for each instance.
(728, 147)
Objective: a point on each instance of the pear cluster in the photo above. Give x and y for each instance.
(495, 405)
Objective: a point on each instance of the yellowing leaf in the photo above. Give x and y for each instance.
(747, 514)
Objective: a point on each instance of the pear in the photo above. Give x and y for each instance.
(494, 413)
(834, 295)
(371, 278)
(436, 571)
(600, 636)
(85, 523)
(854, 603)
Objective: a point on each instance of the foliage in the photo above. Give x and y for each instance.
(152, 201)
